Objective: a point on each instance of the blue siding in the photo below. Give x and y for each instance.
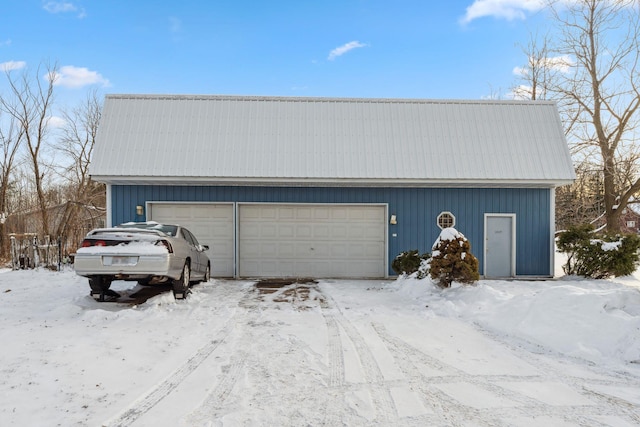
(416, 210)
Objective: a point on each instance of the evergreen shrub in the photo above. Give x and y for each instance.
(452, 260)
(598, 255)
(409, 262)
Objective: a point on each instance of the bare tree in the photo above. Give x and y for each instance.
(537, 72)
(596, 83)
(30, 108)
(582, 201)
(77, 142)
(10, 139)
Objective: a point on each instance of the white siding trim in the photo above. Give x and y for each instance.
(109, 207)
(552, 231)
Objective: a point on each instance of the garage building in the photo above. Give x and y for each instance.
(336, 188)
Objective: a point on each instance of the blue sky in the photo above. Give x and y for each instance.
(456, 49)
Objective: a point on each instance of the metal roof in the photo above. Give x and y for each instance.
(189, 139)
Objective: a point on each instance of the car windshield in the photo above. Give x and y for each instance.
(169, 230)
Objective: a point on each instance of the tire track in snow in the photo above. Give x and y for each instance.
(155, 395)
(453, 412)
(336, 369)
(336, 357)
(380, 393)
(448, 410)
(216, 398)
(607, 404)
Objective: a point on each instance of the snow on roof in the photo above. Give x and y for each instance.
(317, 141)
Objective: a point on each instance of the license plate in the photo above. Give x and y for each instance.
(120, 260)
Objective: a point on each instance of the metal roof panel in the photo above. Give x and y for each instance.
(227, 138)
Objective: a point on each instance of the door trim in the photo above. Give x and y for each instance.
(513, 241)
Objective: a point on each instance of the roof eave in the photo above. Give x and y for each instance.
(328, 182)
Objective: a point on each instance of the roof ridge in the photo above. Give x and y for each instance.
(220, 97)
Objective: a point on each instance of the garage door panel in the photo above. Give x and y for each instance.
(285, 250)
(321, 213)
(203, 232)
(303, 231)
(251, 269)
(303, 213)
(286, 214)
(182, 213)
(222, 230)
(340, 214)
(311, 240)
(338, 231)
(268, 213)
(303, 250)
(339, 251)
(321, 250)
(356, 232)
(368, 233)
(162, 212)
(268, 231)
(321, 231)
(219, 251)
(286, 231)
(252, 249)
(249, 213)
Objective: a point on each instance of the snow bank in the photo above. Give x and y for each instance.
(594, 320)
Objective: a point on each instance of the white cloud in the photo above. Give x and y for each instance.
(521, 93)
(561, 63)
(505, 9)
(520, 71)
(12, 65)
(7, 42)
(59, 7)
(56, 122)
(76, 77)
(341, 50)
(63, 7)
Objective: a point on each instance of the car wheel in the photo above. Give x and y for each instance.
(207, 273)
(181, 286)
(206, 276)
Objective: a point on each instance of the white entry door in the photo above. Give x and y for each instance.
(300, 240)
(499, 245)
(211, 223)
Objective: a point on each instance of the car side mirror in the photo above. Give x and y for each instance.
(204, 248)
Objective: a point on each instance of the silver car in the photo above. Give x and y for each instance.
(147, 252)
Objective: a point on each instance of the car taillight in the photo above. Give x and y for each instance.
(166, 244)
(86, 243)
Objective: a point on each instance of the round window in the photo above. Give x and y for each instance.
(446, 220)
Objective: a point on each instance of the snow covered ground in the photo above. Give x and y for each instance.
(562, 352)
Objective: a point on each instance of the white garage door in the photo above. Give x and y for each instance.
(311, 240)
(211, 223)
